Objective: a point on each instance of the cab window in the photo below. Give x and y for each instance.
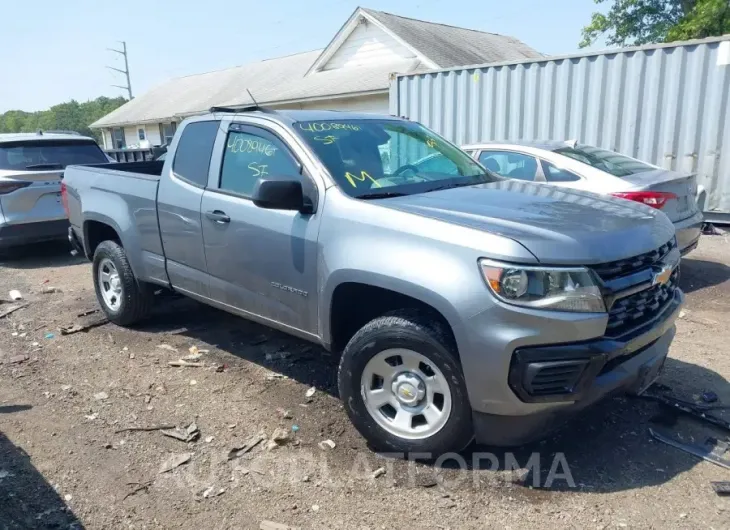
(250, 154)
(194, 149)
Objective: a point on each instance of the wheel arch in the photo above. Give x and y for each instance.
(352, 299)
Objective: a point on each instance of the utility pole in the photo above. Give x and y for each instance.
(123, 52)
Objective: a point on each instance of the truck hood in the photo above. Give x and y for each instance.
(558, 225)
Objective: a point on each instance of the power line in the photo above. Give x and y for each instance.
(123, 52)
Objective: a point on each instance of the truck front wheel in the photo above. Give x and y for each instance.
(403, 387)
(123, 299)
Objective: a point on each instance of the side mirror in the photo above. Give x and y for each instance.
(280, 193)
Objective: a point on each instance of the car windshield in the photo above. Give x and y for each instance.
(609, 161)
(385, 158)
(49, 154)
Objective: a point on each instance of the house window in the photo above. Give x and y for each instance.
(140, 135)
(167, 131)
(118, 141)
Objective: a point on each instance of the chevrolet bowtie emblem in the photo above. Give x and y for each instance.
(661, 277)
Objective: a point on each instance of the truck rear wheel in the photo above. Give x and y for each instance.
(403, 387)
(123, 299)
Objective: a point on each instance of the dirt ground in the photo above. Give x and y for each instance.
(65, 461)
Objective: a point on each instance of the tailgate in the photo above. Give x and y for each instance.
(31, 196)
(683, 186)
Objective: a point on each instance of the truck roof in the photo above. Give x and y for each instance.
(293, 116)
(16, 137)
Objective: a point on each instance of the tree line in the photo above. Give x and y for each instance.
(69, 116)
(637, 22)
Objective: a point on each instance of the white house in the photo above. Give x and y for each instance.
(351, 73)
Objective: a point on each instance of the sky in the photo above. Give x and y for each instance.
(54, 51)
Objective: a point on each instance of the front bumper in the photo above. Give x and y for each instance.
(608, 367)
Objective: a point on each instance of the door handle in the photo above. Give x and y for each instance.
(218, 217)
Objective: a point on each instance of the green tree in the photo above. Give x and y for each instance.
(69, 116)
(637, 22)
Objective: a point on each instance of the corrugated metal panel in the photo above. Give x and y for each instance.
(666, 104)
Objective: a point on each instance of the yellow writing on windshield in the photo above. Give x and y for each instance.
(321, 126)
(431, 143)
(250, 145)
(362, 178)
(326, 140)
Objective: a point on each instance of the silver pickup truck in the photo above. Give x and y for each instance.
(464, 305)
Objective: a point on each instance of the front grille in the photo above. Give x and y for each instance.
(554, 377)
(637, 309)
(622, 267)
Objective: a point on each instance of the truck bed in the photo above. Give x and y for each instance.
(144, 169)
(122, 196)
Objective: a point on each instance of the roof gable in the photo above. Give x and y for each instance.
(450, 46)
(367, 44)
(397, 46)
(435, 45)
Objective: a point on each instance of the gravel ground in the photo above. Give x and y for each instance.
(65, 461)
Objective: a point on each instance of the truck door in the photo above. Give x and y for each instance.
(261, 262)
(178, 206)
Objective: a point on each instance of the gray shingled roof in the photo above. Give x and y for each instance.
(273, 81)
(195, 93)
(450, 46)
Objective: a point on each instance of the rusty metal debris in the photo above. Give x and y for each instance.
(250, 444)
(70, 330)
(139, 486)
(175, 460)
(184, 363)
(188, 434)
(146, 429)
(12, 309)
(721, 487)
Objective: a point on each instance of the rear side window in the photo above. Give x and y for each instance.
(611, 162)
(29, 155)
(555, 174)
(252, 154)
(192, 156)
(509, 164)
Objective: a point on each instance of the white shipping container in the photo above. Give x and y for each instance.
(666, 104)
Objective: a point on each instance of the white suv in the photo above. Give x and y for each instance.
(31, 168)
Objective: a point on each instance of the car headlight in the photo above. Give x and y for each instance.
(553, 288)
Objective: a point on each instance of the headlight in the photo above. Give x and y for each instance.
(554, 288)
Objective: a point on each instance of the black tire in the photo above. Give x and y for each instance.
(136, 299)
(412, 330)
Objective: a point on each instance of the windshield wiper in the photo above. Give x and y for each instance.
(451, 186)
(45, 166)
(381, 195)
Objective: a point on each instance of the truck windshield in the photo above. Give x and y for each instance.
(609, 161)
(371, 159)
(49, 154)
